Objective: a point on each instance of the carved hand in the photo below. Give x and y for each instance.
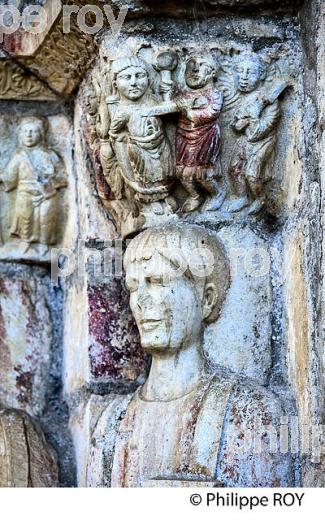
(241, 124)
(167, 87)
(184, 104)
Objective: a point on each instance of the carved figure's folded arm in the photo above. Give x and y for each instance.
(201, 116)
(267, 122)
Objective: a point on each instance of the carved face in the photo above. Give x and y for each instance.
(132, 83)
(30, 134)
(249, 74)
(166, 306)
(198, 73)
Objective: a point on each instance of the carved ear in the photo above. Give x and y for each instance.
(210, 297)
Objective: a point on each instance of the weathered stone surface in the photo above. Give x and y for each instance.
(114, 348)
(26, 460)
(26, 339)
(105, 351)
(268, 63)
(241, 338)
(26, 43)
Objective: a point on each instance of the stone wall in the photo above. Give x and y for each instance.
(71, 354)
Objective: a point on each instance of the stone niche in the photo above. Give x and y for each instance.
(34, 222)
(199, 125)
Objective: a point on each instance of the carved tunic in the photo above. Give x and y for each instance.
(37, 174)
(25, 458)
(142, 150)
(254, 148)
(198, 137)
(190, 441)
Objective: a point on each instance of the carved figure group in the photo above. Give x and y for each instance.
(143, 165)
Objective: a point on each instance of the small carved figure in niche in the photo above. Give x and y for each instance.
(136, 154)
(198, 138)
(256, 117)
(26, 460)
(37, 173)
(183, 426)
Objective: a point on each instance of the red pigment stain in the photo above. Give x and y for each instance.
(115, 351)
(24, 383)
(12, 42)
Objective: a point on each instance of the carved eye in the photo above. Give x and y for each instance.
(156, 280)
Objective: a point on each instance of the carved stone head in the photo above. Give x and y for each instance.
(131, 78)
(200, 71)
(31, 131)
(250, 71)
(178, 277)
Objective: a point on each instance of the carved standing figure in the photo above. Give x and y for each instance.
(256, 117)
(37, 173)
(187, 424)
(136, 154)
(26, 460)
(198, 137)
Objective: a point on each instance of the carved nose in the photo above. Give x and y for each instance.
(144, 299)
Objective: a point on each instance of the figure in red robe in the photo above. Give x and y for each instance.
(198, 137)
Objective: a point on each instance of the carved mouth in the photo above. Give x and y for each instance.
(149, 324)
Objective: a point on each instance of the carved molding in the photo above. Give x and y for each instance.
(18, 83)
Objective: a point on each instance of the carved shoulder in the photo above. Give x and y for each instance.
(103, 439)
(251, 440)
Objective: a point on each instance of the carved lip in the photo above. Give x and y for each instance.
(149, 324)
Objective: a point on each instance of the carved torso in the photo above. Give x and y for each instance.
(191, 441)
(198, 137)
(171, 440)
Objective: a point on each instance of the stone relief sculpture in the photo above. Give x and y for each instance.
(36, 173)
(26, 460)
(254, 98)
(185, 425)
(135, 152)
(198, 135)
(131, 110)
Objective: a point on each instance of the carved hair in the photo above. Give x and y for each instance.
(206, 58)
(253, 58)
(131, 61)
(176, 244)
